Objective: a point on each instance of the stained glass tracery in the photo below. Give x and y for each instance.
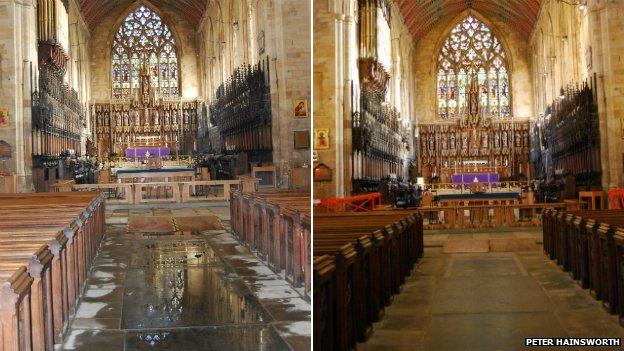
(472, 52)
(143, 40)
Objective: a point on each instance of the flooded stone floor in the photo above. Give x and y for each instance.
(163, 290)
(488, 301)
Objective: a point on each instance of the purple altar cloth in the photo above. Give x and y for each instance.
(157, 151)
(468, 178)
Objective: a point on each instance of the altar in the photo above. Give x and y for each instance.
(145, 121)
(142, 152)
(466, 179)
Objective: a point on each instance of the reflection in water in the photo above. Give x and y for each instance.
(197, 295)
(173, 253)
(233, 338)
(152, 339)
(177, 295)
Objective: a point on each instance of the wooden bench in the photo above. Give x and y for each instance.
(362, 258)
(584, 243)
(276, 225)
(324, 306)
(47, 243)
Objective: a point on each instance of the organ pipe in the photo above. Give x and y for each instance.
(368, 28)
(368, 12)
(47, 18)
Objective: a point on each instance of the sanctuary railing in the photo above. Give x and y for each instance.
(486, 216)
(490, 186)
(212, 190)
(164, 192)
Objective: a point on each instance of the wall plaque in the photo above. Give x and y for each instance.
(302, 139)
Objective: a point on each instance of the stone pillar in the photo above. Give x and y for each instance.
(333, 75)
(606, 31)
(18, 58)
(287, 42)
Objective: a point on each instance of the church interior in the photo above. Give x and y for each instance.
(468, 174)
(155, 174)
(311, 174)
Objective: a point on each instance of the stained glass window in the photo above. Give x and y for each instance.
(143, 40)
(472, 53)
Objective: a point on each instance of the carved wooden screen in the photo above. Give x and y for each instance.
(470, 52)
(143, 40)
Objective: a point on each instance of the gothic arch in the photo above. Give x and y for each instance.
(500, 35)
(173, 86)
(471, 57)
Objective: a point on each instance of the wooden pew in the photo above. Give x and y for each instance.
(276, 225)
(38, 258)
(15, 309)
(47, 242)
(56, 242)
(618, 238)
(583, 243)
(324, 307)
(372, 253)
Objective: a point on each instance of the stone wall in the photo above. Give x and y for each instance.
(559, 47)
(101, 47)
(336, 76)
(605, 37)
(331, 45)
(230, 35)
(78, 69)
(18, 58)
(570, 45)
(19, 76)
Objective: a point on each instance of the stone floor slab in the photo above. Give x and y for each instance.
(466, 245)
(202, 291)
(488, 301)
(514, 244)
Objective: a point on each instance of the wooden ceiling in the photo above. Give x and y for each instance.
(94, 10)
(422, 15)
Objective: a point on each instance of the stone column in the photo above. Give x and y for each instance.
(333, 74)
(606, 31)
(18, 53)
(287, 44)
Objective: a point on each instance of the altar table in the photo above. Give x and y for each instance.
(141, 151)
(482, 177)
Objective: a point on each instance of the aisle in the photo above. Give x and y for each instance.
(184, 291)
(488, 301)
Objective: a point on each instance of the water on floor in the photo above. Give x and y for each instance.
(184, 290)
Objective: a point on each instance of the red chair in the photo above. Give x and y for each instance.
(616, 198)
(356, 203)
